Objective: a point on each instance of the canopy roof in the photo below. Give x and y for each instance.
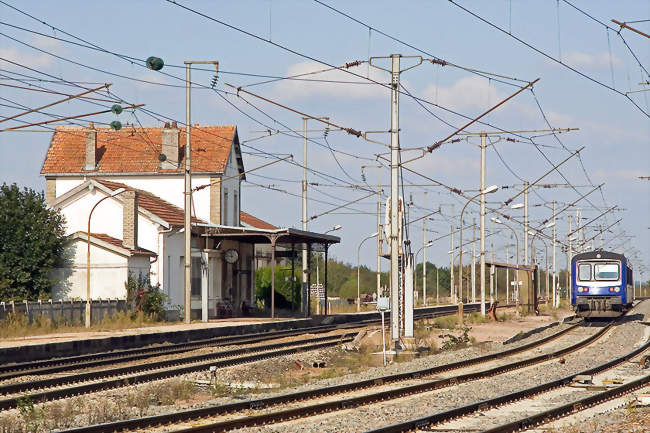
(285, 236)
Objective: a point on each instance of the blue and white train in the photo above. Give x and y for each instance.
(602, 284)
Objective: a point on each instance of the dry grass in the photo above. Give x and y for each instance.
(80, 411)
(16, 325)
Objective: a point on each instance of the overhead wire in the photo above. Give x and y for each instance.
(548, 56)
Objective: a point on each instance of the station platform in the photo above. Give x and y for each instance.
(31, 348)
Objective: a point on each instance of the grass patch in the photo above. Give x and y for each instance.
(81, 411)
(17, 325)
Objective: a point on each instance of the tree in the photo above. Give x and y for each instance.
(31, 244)
(282, 287)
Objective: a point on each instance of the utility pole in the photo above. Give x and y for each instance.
(394, 188)
(474, 260)
(482, 222)
(507, 273)
(424, 256)
(452, 292)
(188, 191)
(492, 275)
(554, 239)
(569, 256)
(305, 289)
(394, 198)
(188, 195)
(526, 185)
(437, 288)
(379, 231)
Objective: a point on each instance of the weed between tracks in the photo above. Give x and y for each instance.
(88, 410)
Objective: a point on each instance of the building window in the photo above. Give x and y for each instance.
(225, 207)
(235, 206)
(196, 276)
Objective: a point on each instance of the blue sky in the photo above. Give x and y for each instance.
(615, 133)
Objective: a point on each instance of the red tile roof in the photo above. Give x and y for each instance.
(136, 150)
(154, 204)
(257, 223)
(118, 243)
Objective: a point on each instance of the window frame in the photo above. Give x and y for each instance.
(580, 264)
(618, 271)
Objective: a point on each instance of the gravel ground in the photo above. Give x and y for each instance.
(163, 357)
(108, 403)
(263, 369)
(626, 418)
(123, 376)
(522, 409)
(617, 342)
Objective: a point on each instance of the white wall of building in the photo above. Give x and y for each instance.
(108, 273)
(230, 193)
(169, 188)
(107, 218)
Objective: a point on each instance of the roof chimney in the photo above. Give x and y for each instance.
(91, 147)
(130, 219)
(170, 138)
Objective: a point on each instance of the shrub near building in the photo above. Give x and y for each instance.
(31, 244)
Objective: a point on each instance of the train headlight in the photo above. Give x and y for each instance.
(617, 289)
(579, 289)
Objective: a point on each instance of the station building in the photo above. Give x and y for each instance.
(138, 174)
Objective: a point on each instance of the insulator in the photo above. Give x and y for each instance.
(162, 157)
(215, 80)
(116, 109)
(116, 125)
(155, 63)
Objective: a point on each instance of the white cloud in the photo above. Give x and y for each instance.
(357, 88)
(595, 60)
(469, 92)
(28, 56)
(45, 43)
(31, 60)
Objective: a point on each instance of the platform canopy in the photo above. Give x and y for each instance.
(510, 266)
(318, 242)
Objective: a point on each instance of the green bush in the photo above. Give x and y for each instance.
(143, 297)
(31, 244)
(282, 287)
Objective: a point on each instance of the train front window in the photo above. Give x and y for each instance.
(606, 271)
(584, 272)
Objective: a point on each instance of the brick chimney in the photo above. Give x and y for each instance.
(130, 219)
(91, 148)
(170, 138)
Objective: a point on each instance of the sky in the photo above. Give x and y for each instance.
(297, 37)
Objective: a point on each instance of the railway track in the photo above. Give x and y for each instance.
(339, 404)
(460, 418)
(631, 382)
(57, 365)
(140, 373)
(427, 422)
(130, 375)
